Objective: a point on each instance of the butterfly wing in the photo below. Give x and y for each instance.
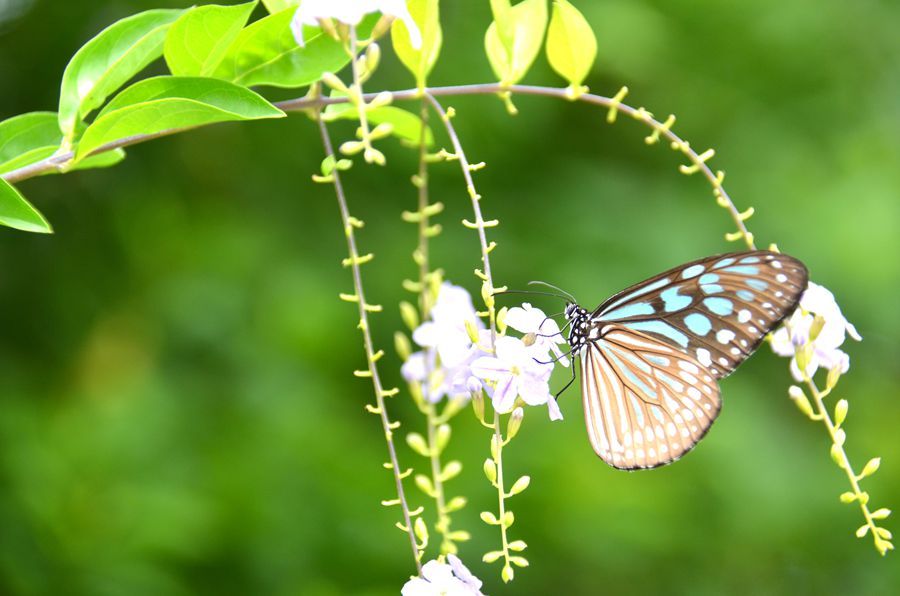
(717, 309)
(646, 403)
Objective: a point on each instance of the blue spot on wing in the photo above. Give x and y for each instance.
(709, 278)
(757, 284)
(673, 301)
(745, 295)
(723, 263)
(698, 324)
(693, 271)
(660, 328)
(743, 269)
(630, 310)
(712, 289)
(750, 260)
(719, 306)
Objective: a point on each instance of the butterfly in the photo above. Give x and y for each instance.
(651, 355)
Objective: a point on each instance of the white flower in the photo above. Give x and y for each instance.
(443, 367)
(540, 330)
(351, 12)
(442, 579)
(514, 372)
(447, 330)
(816, 301)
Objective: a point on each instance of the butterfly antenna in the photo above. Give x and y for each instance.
(561, 296)
(568, 296)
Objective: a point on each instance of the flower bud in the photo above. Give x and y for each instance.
(515, 423)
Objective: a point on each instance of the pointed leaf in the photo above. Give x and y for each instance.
(512, 60)
(108, 60)
(28, 138)
(198, 40)
(571, 44)
(266, 53)
(274, 6)
(167, 104)
(419, 62)
(18, 213)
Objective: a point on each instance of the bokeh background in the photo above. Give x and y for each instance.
(177, 411)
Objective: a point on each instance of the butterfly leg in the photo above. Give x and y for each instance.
(569, 384)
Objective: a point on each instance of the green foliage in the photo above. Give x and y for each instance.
(163, 104)
(28, 138)
(571, 44)
(107, 61)
(426, 14)
(266, 53)
(16, 212)
(197, 41)
(274, 6)
(514, 39)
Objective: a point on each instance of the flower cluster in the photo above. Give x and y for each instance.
(443, 579)
(457, 359)
(813, 335)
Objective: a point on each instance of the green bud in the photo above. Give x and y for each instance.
(489, 518)
(418, 444)
(519, 485)
(490, 470)
(517, 545)
(409, 314)
(840, 412)
(442, 437)
(451, 470)
(402, 345)
(492, 556)
(515, 423)
(871, 467)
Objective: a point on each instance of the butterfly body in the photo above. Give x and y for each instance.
(651, 355)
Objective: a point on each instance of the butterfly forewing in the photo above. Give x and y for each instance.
(645, 403)
(716, 309)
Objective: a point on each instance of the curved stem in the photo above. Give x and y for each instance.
(308, 102)
(371, 357)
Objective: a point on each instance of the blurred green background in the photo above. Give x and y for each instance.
(177, 413)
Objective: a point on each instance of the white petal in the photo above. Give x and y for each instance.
(524, 318)
(418, 587)
(534, 389)
(427, 335)
(414, 368)
(462, 572)
(436, 572)
(504, 397)
(553, 407)
(490, 368)
(512, 350)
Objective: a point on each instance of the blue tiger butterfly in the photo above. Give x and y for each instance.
(650, 355)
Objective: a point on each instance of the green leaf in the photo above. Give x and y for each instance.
(167, 104)
(101, 160)
(500, 9)
(571, 44)
(266, 53)
(107, 61)
(198, 40)
(35, 136)
(512, 59)
(28, 138)
(426, 14)
(406, 125)
(18, 213)
(274, 6)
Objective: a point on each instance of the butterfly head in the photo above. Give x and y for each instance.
(579, 325)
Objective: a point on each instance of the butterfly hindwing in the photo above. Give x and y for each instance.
(645, 403)
(717, 309)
